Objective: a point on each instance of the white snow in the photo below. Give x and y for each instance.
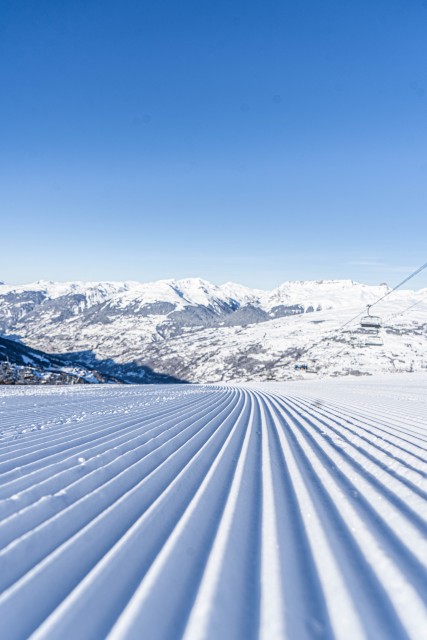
(278, 510)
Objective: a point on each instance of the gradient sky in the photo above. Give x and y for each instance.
(248, 141)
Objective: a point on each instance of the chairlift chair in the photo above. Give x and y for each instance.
(374, 340)
(370, 322)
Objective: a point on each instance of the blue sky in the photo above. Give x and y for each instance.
(248, 141)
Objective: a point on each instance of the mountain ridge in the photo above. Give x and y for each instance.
(193, 330)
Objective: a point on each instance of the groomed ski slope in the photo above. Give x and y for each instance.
(278, 511)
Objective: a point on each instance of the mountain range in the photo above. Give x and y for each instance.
(191, 330)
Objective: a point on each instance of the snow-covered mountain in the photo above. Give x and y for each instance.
(193, 330)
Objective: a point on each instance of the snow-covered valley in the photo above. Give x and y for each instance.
(272, 511)
(194, 331)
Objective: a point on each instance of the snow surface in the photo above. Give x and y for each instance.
(279, 510)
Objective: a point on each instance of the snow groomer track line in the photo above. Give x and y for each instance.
(162, 512)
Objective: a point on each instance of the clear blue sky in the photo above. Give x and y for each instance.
(248, 141)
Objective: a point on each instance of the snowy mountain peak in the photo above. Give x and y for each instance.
(198, 291)
(194, 330)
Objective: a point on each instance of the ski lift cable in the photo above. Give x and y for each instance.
(397, 286)
(399, 313)
(361, 313)
(391, 317)
(415, 273)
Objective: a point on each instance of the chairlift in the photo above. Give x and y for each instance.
(370, 322)
(373, 340)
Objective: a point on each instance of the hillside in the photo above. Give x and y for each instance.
(20, 364)
(192, 330)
